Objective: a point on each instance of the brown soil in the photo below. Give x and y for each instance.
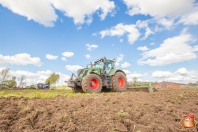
(123, 112)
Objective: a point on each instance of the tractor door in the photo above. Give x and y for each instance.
(108, 66)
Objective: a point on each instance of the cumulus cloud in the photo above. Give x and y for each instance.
(64, 59)
(125, 65)
(44, 13)
(182, 71)
(158, 8)
(88, 56)
(168, 52)
(147, 33)
(182, 75)
(90, 47)
(144, 48)
(51, 57)
(144, 24)
(165, 12)
(120, 29)
(20, 59)
(166, 23)
(161, 74)
(190, 18)
(68, 54)
(119, 59)
(40, 11)
(73, 68)
(33, 78)
(130, 75)
(81, 11)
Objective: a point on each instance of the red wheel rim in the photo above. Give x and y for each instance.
(94, 84)
(121, 82)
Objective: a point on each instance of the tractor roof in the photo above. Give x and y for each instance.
(105, 59)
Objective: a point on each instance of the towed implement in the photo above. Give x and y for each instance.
(101, 75)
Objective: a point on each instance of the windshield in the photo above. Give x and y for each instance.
(109, 65)
(99, 64)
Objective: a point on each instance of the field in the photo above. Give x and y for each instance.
(52, 110)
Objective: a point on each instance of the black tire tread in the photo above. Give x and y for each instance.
(84, 83)
(114, 85)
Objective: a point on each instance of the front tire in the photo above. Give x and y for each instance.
(119, 82)
(92, 83)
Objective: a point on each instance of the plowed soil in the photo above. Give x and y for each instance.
(123, 112)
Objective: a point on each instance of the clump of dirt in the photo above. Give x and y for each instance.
(122, 112)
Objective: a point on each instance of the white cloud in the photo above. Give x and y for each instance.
(144, 48)
(175, 49)
(44, 13)
(147, 33)
(51, 57)
(158, 8)
(90, 47)
(64, 59)
(121, 40)
(182, 75)
(165, 13)
(32, 78)
(161, 74)
(119, 58)
(73, 68)
(94, 34)
(20, 59)
(120, 29)
(81, 11)
(127, 72)
(125, 65)
(40, 11)
(152, 43)
(88, 56)
(182, 71)
(166, 23)
(79, 27)
(68, 54)
(190, 18)
(130, 75)
(144, 24)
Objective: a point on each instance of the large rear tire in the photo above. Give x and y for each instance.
(92, 83)
(119, 82)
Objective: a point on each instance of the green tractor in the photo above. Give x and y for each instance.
(101, 75)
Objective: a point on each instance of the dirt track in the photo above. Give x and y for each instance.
(130, 111)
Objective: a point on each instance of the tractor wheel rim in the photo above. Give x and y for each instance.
(94, 84)
(121, 82)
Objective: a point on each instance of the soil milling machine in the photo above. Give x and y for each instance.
(101, 75)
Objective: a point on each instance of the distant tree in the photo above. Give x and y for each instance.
(135, 81)
(52, 79)
(21, 79)
(4, 74)
(10, 83)
(192, 84)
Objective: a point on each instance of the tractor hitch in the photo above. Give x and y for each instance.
(73, 81)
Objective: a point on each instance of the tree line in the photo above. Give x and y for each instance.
(8, 80)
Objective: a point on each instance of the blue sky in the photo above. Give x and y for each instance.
(152, 40)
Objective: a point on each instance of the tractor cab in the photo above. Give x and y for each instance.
(104, 64)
